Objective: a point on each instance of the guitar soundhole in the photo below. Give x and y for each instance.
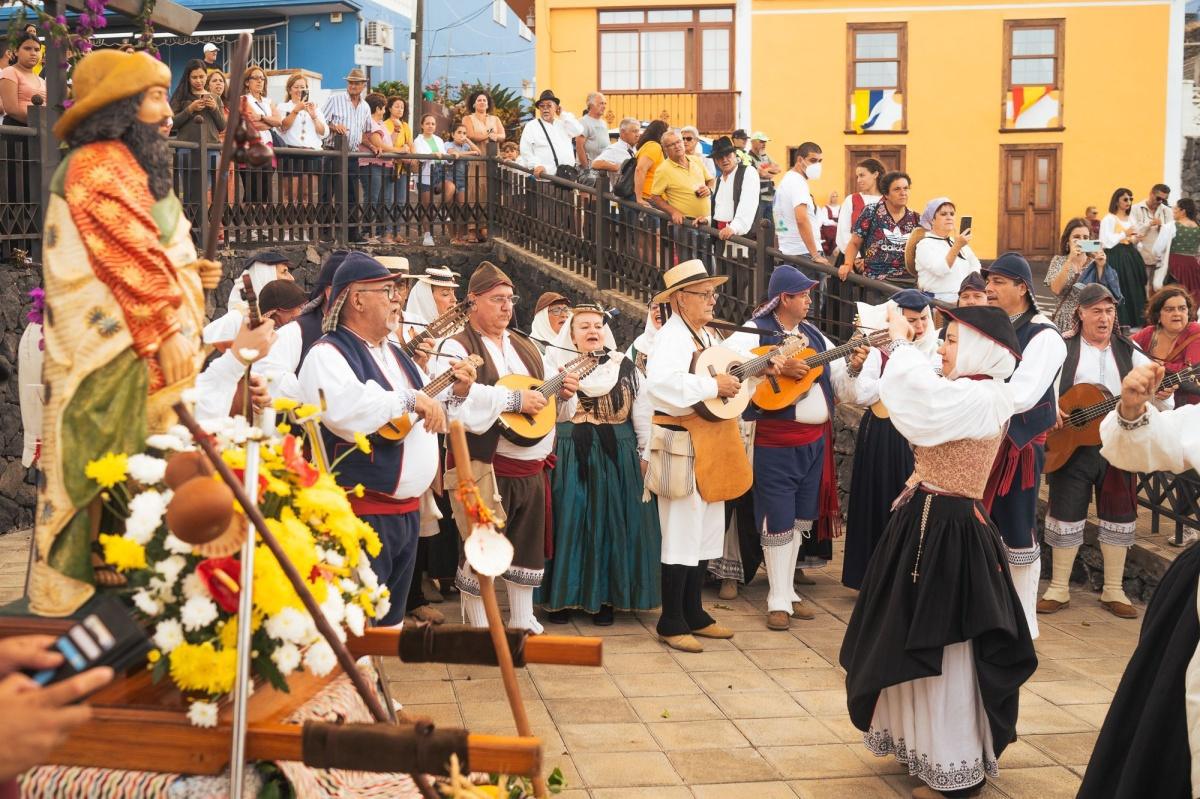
(1077, 418)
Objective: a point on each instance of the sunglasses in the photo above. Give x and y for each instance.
(689, 138)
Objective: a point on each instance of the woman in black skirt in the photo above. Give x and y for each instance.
(937, 647)
(882, 458)
(1120, 237)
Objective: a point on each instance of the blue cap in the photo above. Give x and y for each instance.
(356, 268)
(786, 279)
(912, 299)
(266, 257)
(1012, 265)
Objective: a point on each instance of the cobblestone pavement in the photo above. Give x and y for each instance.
(762, 716)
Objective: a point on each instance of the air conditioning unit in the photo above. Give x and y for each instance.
(382, 34)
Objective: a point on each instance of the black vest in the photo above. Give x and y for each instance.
(772, 335)
(1122, 350)
(1024, 427)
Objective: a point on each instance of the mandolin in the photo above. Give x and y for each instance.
(445, 325)
(1085, 406)
(778, 392)
(524, 429)
(398, 428)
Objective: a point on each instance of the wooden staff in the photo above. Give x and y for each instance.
(559, 650)
(487, 590)
(216, 215)
(254, 514)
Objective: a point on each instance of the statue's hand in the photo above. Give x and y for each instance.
(177, 357)
(210, 273)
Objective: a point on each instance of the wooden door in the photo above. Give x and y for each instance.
(891, 156)
(1029, 190)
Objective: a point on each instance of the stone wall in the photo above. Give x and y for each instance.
(1191, 169)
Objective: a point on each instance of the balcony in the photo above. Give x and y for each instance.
(711, 112)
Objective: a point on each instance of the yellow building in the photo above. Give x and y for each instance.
(1024, 112)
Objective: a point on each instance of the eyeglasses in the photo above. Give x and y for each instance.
(558, 310)
(392, 290)
(257, 77)
(689, 138)
(502, 301)
(707, 296)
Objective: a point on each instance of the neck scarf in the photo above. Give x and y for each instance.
(541, 329)
(420, 307)
(602, 379)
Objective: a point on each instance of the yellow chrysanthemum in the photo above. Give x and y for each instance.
(201, 667)
(229, 632)
(285, 404)
(109, 470)
(234, 458)
(306, 410)
(276, 485)
(123, 554)
(272, 590)
(283, 428)
(363, 443)
(153, 656)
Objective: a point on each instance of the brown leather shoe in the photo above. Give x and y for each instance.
(428, 613)
(802, 611)
(801, 578)
(1051, 605)
(713, 630)
(1122, 610)
(728, 589)
(778, 620)
(684, 643)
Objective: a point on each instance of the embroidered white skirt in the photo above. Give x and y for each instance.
(937, 726)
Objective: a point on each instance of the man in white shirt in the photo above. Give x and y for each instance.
(1099, 355)
(1149, 216)
(795, 208)
(735, 197)
(620, 151)
(595, 129)
(544, 147)
(347, 114)
(515, 473)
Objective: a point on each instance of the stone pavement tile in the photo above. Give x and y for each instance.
(623, 737)
(1053, 782)
(498, 712)
(667, 709)
(632, 685)
(1092, 714)
(744, 624)
(733, 607)
(822, 703)
(749, 790)
(803, 658)
(1071, 692)
(1068, 650)
(592, 686)
(687, 735)
(903, 785)
(816, 761)
(590, 711)
(809, 679)
(642, 663)
(1103, 631)
(882, 765)
(443, 715)
(1071, 748)
(553, 760)
(1040, 719)
(768, 639)
(630, 644)
(624, 769)
(791, 731)
(397, 669)
(716, 683)
(458, 672)
(623, 625)
(721, 660)
(819, 636)
(1094, 668)
(552, 742)
(722, 765)
(842, 727)
(857, 787)
(673, 792)
(1050, 670)
(426, 692)
(554, 669)
(471, 691)
(1021, 753)
(759, 705)
(569, 794)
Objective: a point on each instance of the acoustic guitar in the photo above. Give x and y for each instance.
(776, 391)
(1085, 406)
(448, 324)
(524, 429)
(398, 428)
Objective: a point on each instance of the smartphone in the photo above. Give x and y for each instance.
(107, 636)
(965, 224)
(1090, 245)
(304, 95)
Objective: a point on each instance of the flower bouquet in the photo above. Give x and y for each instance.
(186, 591)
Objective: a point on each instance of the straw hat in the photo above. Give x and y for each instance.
(397, 265)
(440, 276)
(104, 76)
(683, 275)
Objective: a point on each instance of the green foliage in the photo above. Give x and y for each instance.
(392, 88)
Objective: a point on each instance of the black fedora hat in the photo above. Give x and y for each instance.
(547, 94)
(722, 146)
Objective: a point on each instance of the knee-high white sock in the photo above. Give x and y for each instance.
(520, 608)
(781, 565)
(473, 609)
(1062, 562)
(1114, 573)
(1025, 579)
(803, 529)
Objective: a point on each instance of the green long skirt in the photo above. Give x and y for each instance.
(607, 543)
(1131, 274)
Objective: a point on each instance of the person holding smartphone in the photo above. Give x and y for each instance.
(1081, 260)
(198, 113)
(942, 258)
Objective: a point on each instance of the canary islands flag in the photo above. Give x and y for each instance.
(876, 109)
(1032, 107)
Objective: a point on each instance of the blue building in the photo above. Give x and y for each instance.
(477, 40)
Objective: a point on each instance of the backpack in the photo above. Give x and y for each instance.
(623, 188)
(739, 176)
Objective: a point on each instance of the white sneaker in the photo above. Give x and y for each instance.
(427, 241)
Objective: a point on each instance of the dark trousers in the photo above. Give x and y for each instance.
(396, 559)
(1015, 513)
(682, 608)
(416, 597)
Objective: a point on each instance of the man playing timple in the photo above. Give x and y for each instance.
(1097, 354)
(514, 473)
(680, 185)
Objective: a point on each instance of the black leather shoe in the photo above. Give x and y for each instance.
(604, 618)
(559, 616)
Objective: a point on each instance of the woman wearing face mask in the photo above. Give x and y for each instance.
(1172, 337)
(1120, 238)
(606, 540)
(941, 257)
(1179, 245)
(937, 647)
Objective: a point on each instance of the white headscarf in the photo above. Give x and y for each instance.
(421, 307)
(541, 329)
(873, 318)
(644, 344)
(601, 379)
(226, 326)
(979, 355)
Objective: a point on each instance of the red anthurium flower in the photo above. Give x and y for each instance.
(221, 577)
(293, 458)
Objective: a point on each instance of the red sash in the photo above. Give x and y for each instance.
(779, 433)
(375, 503)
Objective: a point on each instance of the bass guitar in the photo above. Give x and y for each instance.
(448, 324)
(398, 428)
(525, 429)
(1085, 407)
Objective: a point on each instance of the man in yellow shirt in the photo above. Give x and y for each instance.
(681, 185)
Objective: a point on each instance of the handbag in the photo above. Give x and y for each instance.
(565, 171)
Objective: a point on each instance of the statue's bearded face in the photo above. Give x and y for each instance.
(155, 109)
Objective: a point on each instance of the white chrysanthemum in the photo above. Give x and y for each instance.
(197, 613)
(151, 504)
(334, 608)
(366, 575)
(140, 528)
(166, 442)
(182, 433)
(286, 658)
(146, 603)
(356, 619)
(348, 586)
(202, 714)
(147, 469)
(168, 634)
(334, 558)
(319, 659)
(382, 606)
(177, 545)
(194, 586)
(170, 568)
(288, 625)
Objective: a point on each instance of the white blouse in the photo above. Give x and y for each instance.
(1112, 230)
(303, 132)
(846, 220)
(932, 273)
